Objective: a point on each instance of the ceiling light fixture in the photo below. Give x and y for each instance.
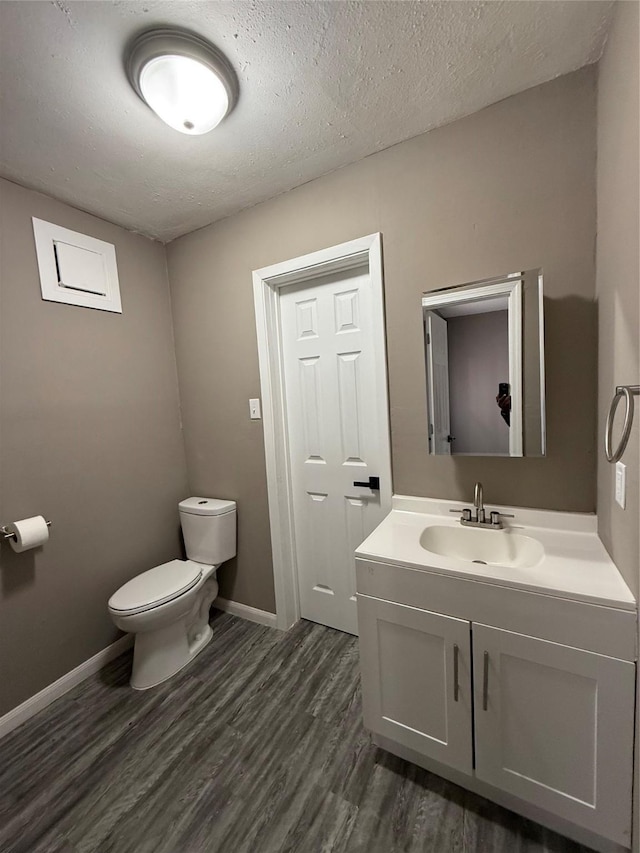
(187, 82)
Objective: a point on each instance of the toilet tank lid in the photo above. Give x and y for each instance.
(206, 506)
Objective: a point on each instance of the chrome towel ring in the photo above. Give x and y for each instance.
(628, 392)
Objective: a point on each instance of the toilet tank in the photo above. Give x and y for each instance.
(209, 529)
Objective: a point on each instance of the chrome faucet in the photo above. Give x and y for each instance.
(479, 517)
(477, 502)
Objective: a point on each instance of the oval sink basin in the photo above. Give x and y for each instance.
(474, 545)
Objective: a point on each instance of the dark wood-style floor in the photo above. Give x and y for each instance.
(257, 746)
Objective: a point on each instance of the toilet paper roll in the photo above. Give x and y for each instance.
(30, 532)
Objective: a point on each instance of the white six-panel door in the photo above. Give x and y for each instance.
(336, 435)
(438, 384)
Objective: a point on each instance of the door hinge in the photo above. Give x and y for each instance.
(428, 338)
(430, 429)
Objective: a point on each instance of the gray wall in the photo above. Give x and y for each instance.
(618, 277)
(618, 291)
(478, 361)
(511, 187)
(90, 439)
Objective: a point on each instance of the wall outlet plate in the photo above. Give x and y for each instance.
(621, 484)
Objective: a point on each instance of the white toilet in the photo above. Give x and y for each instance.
(167, 607)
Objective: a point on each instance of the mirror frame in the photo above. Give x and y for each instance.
(511, 287)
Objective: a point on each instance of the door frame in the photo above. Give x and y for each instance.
(267, 284)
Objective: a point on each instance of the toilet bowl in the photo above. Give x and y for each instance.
(167, 607)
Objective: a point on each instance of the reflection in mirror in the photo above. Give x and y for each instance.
(484, 348)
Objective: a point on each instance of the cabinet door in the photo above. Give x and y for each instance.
(554, 726)
(416, 679)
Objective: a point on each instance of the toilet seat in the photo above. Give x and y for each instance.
(156, 586)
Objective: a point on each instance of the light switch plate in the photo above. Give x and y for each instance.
(254, 410)
(621, 484)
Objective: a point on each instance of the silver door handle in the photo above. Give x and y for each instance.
(485, 682)
(456, 685)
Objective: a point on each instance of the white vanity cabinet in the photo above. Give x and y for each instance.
(416, 679)
(554, 727)
(518, 696)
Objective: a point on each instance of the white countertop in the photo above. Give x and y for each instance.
(575, 565)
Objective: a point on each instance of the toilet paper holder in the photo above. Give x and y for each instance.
(9, 534)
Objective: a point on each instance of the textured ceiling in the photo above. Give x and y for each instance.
(322, 84)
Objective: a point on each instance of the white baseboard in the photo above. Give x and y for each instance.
(21, 713)
(252, 614)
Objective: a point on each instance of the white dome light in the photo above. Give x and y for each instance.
(184, 79)
(186, 95)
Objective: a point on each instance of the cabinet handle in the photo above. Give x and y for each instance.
(485, 682)
(456, 686)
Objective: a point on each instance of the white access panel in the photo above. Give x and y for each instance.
(554, 726)
(416, 679)
(81, 269)
(76, 269)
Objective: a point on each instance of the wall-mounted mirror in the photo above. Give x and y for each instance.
(484, 348)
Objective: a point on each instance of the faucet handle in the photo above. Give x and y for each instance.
(496, 516)
(464, 513)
